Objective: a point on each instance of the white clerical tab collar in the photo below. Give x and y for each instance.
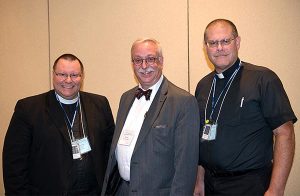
(220, 75)
(67, 101)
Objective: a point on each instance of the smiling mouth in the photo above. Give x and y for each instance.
(221, 55)
(145, 72)
(68, 87)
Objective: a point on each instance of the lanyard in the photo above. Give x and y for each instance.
(66, 115)
(213, 88)
(70, 132)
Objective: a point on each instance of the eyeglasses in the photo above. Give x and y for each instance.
(223, 42)
(64, 76)
(150, 60)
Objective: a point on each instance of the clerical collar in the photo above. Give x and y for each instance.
(228, 72)
(220, 75)
(67, 101)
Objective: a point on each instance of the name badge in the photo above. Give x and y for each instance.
(84, 145)
(75, 150)
(126, 138)
(209, 132)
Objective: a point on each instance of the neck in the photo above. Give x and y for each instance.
(235, 64)
(220, 71)
(146, 87)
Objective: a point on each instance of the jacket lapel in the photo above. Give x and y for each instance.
(123, 111)
(56, 114)
(153, 112)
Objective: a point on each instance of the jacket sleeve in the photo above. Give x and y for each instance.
(16, 152)
(186, 148)
(110, 128)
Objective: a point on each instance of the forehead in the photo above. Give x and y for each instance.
(144, 48)
(68, 65)
(218, 30)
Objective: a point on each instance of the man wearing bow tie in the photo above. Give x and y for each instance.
(155, 146)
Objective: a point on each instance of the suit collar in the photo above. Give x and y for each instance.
(56, 114)
(125, 105)
(153, 112)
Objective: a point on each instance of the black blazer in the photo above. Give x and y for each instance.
(37, 155)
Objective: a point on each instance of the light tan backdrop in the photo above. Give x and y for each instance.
(100, 32)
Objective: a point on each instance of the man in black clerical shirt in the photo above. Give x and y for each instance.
(242, 107)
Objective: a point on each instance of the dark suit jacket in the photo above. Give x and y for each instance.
(37, 155)
(165, 157)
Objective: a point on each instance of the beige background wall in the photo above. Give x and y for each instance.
(100, 32)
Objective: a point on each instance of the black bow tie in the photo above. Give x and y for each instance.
(140, 92)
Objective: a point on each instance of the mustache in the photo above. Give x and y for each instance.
(220, 54)
(144, 71)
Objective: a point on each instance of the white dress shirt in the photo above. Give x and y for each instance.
(131, 130)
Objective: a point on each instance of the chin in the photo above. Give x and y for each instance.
(72, 96)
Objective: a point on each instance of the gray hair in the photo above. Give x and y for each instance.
(143, 40)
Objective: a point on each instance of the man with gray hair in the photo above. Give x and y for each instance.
(155, 146)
